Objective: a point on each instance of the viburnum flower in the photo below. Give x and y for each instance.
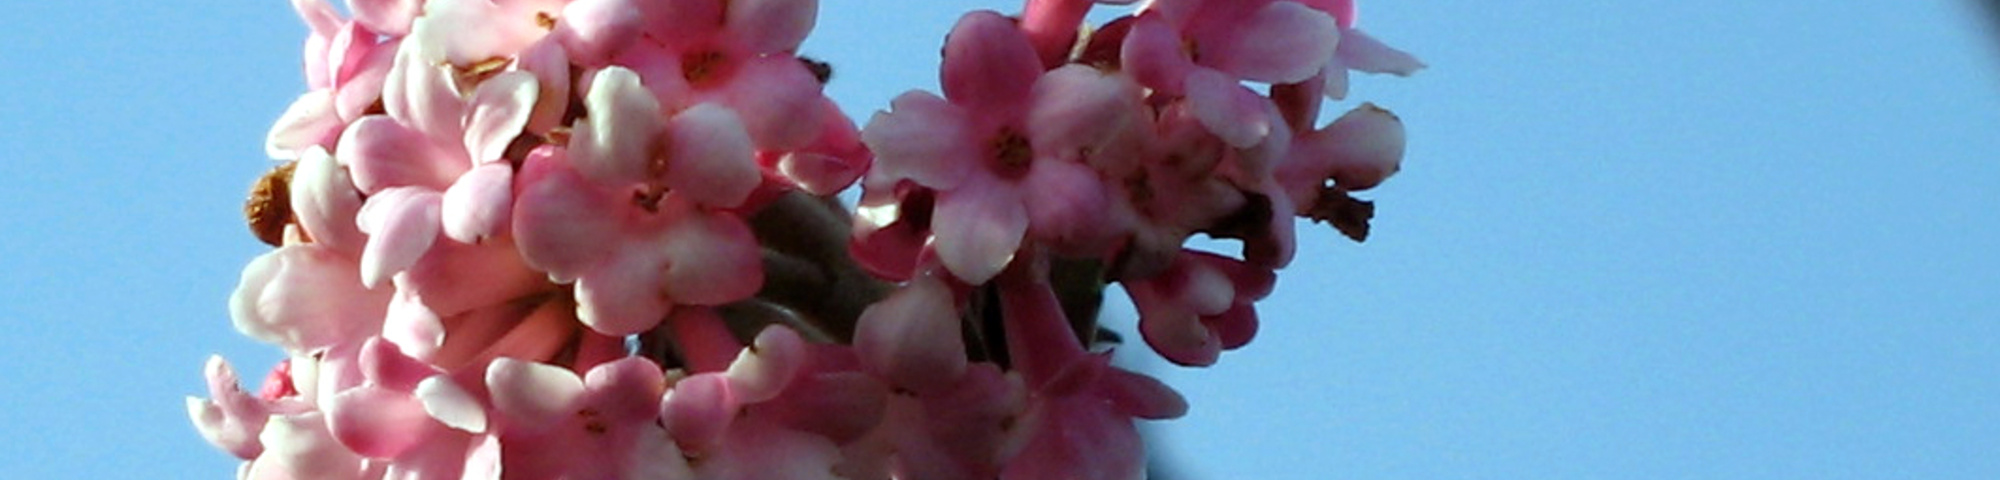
(1001, 149)
(600, 238)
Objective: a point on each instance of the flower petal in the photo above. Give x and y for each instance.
(450, 404)
(311, 120)
(1228, 109)
(912, 338)
(1363, 52)
(1283, 42)
(615, 144)
(377, 422)
(402, 223)
(563, 224)
(530, 396)
(500, 108)
(989, 66)
(325, 202)
(978, 227)
(771, 26)
(712, 258)
(479, 204)
(710, 158)
(382, 153)
(922, 138)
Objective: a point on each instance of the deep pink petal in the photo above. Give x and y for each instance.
(771, 26)
(778, 100)
(625, 390)
(402, 223)
(1283, 42)
(1078, 109)
(1141, 395)
(912, 337)
(978, 227)
(921, 138)
(989, 65)
(1153, 54)
(709, 158)
(479, 204)
(1228, 109)
(1069, 203)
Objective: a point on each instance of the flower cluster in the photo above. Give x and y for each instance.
(596, 238)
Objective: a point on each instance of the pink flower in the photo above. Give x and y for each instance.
(1201, 305)
(1202, 49)
(1004, 130)
(632, 257)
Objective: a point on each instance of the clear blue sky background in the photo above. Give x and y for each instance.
(1691, 239)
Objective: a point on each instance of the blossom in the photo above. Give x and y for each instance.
(1003, 129)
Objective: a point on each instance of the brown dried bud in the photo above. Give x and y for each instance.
(269, 208)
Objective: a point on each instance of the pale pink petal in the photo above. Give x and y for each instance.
(348, 51)
(385, 365)
(391, 17)
(659, 69)
(1283, 42)
(325, 202)
(834, 161)
(465, 32)
(978, 227)
(450, 404)
(319, 16)
(500, 109)
(299, 447)
(402, 223)
(413, 327)
(712, 259)
(709, 157)
(771, 26)
(1335, 86)
(988, 63)
(309, 121)
(479, 204)
(231, 418)
(377, 422)
(440, 278)
(382, 153)
(547, 61)
(1228, 109)
(304, 297)
(1363, 52)
(1078, 109)
(763, 370)
(622, 295)
(778, 100)
(912, 338)
(530, 396)
(593, 31)
(563, 224)
(922, 138)
(615, 144)
(362, 88)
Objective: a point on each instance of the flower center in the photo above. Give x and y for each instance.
(701, 65)
(1009, 154)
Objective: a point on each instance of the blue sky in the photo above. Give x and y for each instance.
(1694, 239)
